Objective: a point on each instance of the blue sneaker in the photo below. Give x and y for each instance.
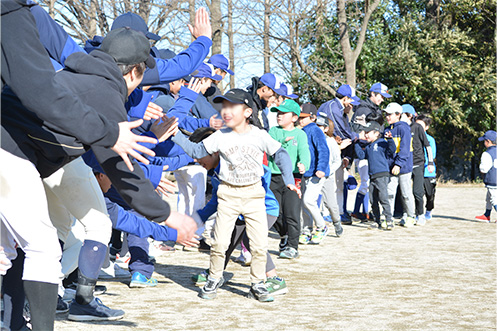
(328, 219)
(94, 311)
(139, 280)
(428, 215)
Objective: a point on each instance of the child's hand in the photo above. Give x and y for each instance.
(395, 170)
(186, 227)
(431, 169)
(5, 263)
(215, 123)
(301, 168)
(195, 85)
(338, 140)
(362, 135)
(165, 128)
(166, 187)
(320, 174)
(388, 134)
(295, 189)
(345, 143)
(345, 162)
(289, 138)
(153, 112)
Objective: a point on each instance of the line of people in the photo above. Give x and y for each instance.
(72, 115)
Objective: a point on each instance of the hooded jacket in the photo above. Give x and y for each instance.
(258, 117)
(401, 134)
(364, 109)
(97, 80)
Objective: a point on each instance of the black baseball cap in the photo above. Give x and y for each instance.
(308, 109)
(235, 95)
(127, 47)
(372, 126)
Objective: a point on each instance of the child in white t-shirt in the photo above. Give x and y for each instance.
(241, 147)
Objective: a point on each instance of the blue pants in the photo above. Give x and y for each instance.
(139, 262)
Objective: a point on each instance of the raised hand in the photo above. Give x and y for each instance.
(345, 143)
(127, 143)
(166, 187)
(186, 227)
(153, 112)
(202, 25)
(195, 85)
(165, 128)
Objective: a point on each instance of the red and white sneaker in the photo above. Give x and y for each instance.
(483, 218)
(123, 261)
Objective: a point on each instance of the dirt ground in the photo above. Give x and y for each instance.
(441, 276)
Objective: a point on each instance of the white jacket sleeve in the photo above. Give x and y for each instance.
(485, 163)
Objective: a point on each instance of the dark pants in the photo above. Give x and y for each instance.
(13, 294)
(288, 222)
(378, 193)
(430, 184)
(418, 190)
(240, 234)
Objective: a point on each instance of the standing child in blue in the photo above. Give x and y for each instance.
(314, 177)
(378, 152)
(488, 167)
(430, 183)
(401, 163)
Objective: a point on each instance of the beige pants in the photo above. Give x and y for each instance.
(249, 202)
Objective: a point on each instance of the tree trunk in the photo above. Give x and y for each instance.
(292, 36)
(265, 37)
(231, 42)
(191, 12)
(217, 26)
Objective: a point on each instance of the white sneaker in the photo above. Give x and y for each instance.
(247, 257)
(123, 261)
(421, 220)
(113, 271)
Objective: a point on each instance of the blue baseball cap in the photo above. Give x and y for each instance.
(380, 88)
(407, 108)
(273, 82)
(349, 91)
(489, 135)
(207, 70)
(288, 91)
(135, 22)
(222, 62)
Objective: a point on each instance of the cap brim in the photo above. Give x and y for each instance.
(481, 138)
(292, 96)
(221, 98)
(217, 77)
(150, 62)
(230, 72)
(152, 36)
(304, 115)
(385, 95)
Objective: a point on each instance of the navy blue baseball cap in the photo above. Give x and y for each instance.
(134, 22)
(288, 91)
(380, 88)
(222, 62)
(273, 82)
(349, 91)
(207, 70)
(489, 135)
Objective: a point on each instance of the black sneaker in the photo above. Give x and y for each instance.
(62, 306)
(260, 292)
(283, 242)
(203, 246)
(209, 291)
(94, 311)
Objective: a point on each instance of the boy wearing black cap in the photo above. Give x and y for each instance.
(378, 152)
(241, 147)
(488, 167)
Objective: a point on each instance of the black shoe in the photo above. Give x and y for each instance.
(259, 292)
(62, 306)
(283, 243)
(203, 246)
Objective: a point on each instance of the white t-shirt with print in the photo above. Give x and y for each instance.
(241, 155)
